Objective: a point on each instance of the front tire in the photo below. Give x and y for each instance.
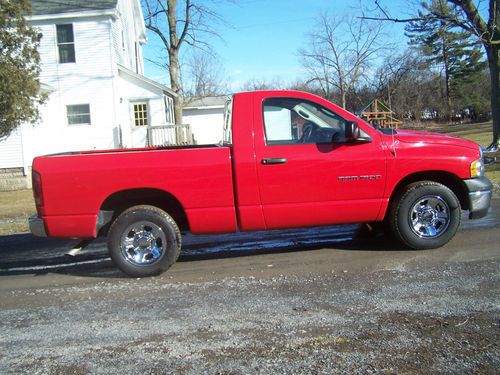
(425, 216)
(144, 241)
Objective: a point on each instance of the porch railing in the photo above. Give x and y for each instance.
(170, 135)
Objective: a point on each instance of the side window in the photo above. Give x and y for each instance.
(295, 121)
(78, 114)
(169, 110)
(66, 43)
(278, 123)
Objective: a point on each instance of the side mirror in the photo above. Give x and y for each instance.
(353, 133)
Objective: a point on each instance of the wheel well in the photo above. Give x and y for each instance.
(118, 202)
(447, 179)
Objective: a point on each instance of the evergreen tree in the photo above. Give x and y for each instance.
(445, 46)
(19, 67)
(474, 95)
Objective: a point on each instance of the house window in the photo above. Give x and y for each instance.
(169, 110)
(66, 43)
(140, 114)
(78, 114)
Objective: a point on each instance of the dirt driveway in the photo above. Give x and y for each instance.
(342, 305)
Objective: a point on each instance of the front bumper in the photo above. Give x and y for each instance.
(480, 191)
(37, 226)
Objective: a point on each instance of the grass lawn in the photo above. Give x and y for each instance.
(17, 206)
(15, 209)
(481, 134)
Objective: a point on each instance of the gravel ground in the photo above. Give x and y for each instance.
(408, 319)
(291, 302)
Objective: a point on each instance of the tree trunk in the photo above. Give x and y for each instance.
(494, 66)
(175, 84)
(446, 62)
(174, 67)
(342, 90)
(447, 82)
(344, 101)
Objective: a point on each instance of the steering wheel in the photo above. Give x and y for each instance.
(326, 135)
(307, 131)
(336, 137)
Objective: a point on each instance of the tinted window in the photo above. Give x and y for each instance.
(295, 121)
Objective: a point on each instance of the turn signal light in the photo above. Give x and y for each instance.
(37, 189)
(477, 168)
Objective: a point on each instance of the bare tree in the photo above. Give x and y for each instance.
(469, 18)
(205, 76)
(408, 86)
(177, 24)
(256, 84)
(340, 54)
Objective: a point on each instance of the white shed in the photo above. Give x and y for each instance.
(206, 118)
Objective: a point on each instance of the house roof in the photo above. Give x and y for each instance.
(43, 7)
(207, 102)
(130, 73)
(46, 88)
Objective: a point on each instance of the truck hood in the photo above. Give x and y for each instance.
(415, 136)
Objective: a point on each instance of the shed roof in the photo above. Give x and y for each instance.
(206, 102)
(42, 7)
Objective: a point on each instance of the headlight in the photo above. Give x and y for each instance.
(477, 168)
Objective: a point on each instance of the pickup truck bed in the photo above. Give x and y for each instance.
(198, 178)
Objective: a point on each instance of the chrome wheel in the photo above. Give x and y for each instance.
(143, 243)
(429, 217)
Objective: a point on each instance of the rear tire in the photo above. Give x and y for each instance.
(425, 216)
(144, 241)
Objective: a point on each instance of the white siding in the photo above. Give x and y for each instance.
(93, 79)
(118, 42)
(11, 150)
(206, 124)
(133, 90)
(130, 54)
(92, 48)
(90, 80)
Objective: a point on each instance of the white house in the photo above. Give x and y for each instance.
(206, 118)
(92, 70)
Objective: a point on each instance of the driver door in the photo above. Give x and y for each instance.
(307, 175)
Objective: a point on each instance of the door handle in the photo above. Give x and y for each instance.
(274, 161)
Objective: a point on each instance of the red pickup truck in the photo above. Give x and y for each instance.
(289, 159)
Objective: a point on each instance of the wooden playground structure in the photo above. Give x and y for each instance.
(379, 114)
